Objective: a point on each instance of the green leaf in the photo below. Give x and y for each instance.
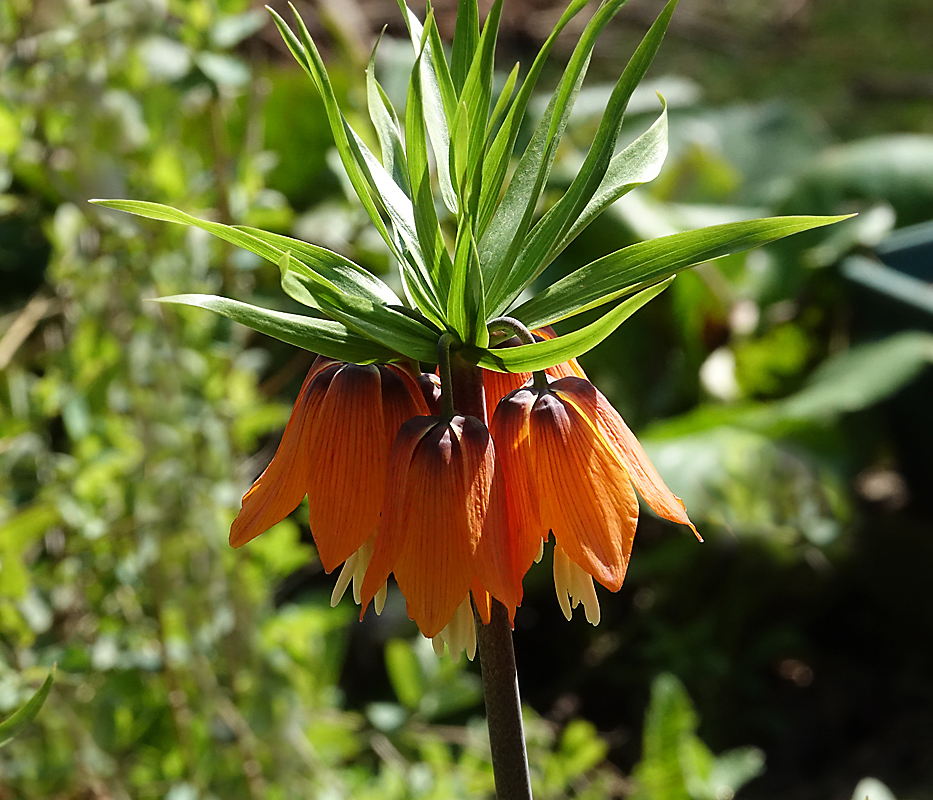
(395, 329)
(307, 55)
(433, 247)
(507, 231)
(332, 267)
(323, 336)
(637, 164)
(340, 271)
(13, 725)
(405, 673)
(440, 97)
(385, 121)
(502, 103)
(860, 377)
(496, 162)
(477, 91)
(557, 222)
(465, 309)
(466, 39)
(632, 267)
(541, 355)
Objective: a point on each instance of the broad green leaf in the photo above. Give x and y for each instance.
(13, 725)
(626, 270)
(505, 238)
(433, 248)
(405, 673)
(496, 162)
(465, 309)
(557, 222)
(439, 98)
(466, 39)
(385, 121)
(322, 336)
(860, 377)
(637, 164)
(541, 355)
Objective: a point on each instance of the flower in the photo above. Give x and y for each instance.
(335, 449)
(444, 525)
(571, 466)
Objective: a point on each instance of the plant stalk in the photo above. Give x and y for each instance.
(494, 641)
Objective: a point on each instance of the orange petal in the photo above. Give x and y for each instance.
(282, 485)
(504, 560)
(425, 537)
(585, 492)
(346, 474)
(497, 385)
(593, 404)
(482, 600)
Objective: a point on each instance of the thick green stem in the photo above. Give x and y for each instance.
(526, 337)
(496, 655)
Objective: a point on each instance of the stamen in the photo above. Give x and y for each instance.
(540, 552)
(562, 581)
(379, 601)
(343, 580)
(459, 634)
(574, 586)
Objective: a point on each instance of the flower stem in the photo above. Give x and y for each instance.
(496, 655)
(525, 336)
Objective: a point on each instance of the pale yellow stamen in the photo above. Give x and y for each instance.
(459, 634)
(574, 586)
(540, 552)
(354, 568)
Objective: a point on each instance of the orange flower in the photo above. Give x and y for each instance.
(570, 463)
(335, 449)
(444, 521)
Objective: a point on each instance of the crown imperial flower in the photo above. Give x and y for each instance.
(334, 450)
(571, 466)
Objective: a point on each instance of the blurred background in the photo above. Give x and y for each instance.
(784, 393)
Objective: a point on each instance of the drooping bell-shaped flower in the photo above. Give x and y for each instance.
(335, 449)
(445, 522)
(571, 467)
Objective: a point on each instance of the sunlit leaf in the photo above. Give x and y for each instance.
(624, 271)
(541, 355)
(322, 336)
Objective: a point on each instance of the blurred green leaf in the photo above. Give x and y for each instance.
(405, 673)
(13, 725)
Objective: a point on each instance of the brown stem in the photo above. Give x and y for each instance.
(496, 655)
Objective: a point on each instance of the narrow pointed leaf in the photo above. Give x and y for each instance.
(465, 308)
(477, 91)
(503, 102)
(496, 161)
(385, 325)
(343, 273)
(440, 98)
(556, 223)
(323, 336)
(630, 268)
(308, 57)
(541, 355)
(433, 248)
(508, 229)
(13, 725)
(637, 164)
(466, 39)
(385, 121)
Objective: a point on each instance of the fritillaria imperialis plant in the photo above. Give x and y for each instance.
(454, 480)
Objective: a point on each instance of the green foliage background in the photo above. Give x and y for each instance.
(128, 431)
